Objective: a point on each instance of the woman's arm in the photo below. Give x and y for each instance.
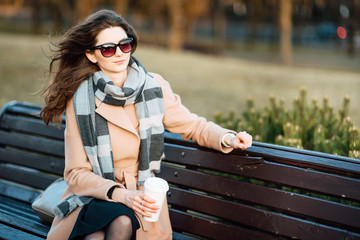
(179, 119)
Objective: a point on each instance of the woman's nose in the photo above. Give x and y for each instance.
(118, 51)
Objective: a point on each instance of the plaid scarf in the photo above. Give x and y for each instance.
(140, 89)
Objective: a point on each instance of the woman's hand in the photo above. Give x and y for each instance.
(136, 200)
(242, 140)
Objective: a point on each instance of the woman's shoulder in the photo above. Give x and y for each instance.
(163, 83)
(157, 76)
(169, 96)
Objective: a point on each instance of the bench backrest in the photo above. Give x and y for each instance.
(265, 192)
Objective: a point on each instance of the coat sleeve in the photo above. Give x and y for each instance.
(78, 171)
(178, 119)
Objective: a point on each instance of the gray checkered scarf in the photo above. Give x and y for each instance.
(140, 89)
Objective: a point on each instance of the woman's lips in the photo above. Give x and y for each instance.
(119, 62)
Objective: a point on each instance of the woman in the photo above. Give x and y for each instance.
(116, 113)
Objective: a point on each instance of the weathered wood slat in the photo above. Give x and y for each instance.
(179, 236)
(10, 190)
(305, 152)
(17, 208)
(265, 196)
(272, 222)
(29, 178)
(276, 173)
(290, 156)
(297, 159)
(22, 223)
(32, 143)
(31, 126)
(23, 108)
(212, 229)
(39, 162)
(9, 233)
(232, 164)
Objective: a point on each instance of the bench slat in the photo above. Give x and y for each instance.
(22, 176)
(272, 222)
(9, 206)
(304, 152)
(20, 222)
(9, 233)
(232, 164)
(308, 180)
(184, 221)
(210, 229)
(23, 108)
(10, 190)
(326, 164)
(32, 143)
(31, 126)
(269, 197)
(297, 157)
(39, 162)
(284, 175)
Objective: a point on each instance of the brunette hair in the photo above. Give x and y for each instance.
(73, 67)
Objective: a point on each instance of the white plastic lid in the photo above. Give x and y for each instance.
(156, 184)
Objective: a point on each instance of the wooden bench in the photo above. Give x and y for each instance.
(265, 192)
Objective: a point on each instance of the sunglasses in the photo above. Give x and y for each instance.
(109, 49)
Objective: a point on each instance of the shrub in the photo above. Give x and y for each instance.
(311, 126)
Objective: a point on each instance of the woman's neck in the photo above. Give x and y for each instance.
(118, 78)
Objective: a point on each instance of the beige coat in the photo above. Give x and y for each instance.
(125, 142)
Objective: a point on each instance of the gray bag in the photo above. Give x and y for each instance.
(48, 199)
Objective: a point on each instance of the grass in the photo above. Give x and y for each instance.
(205, 83)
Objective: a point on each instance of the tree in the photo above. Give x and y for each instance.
(82, 10)
(183, 15)
(285, 22)
(121, 6)
(220, 23)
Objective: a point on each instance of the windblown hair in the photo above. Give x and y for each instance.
(73, 67)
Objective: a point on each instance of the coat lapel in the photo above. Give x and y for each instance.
(115, 115)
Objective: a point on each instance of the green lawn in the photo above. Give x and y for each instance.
(205, 83)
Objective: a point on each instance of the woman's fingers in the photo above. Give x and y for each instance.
(144, 204)
(140, 211)
(148, 199)
(243, 140)
(136, 200)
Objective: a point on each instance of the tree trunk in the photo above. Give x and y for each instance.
(220, 24)
(84, 9)
(36, 16)
(285, 21)
(177, 25)
(121, 7)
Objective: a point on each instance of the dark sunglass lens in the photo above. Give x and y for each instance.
(125, 47)
(108, 51)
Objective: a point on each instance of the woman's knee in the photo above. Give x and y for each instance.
(99, 235)
(123, 221)
(120, 226)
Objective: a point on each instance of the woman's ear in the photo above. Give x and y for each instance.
(91, 56)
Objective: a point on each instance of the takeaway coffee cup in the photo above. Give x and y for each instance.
(156, 188)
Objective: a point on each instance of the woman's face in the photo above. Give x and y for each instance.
(116, 63)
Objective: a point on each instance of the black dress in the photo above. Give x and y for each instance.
(97, 214)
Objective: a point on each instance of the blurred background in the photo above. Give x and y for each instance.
(227, 59)
(209, 26)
